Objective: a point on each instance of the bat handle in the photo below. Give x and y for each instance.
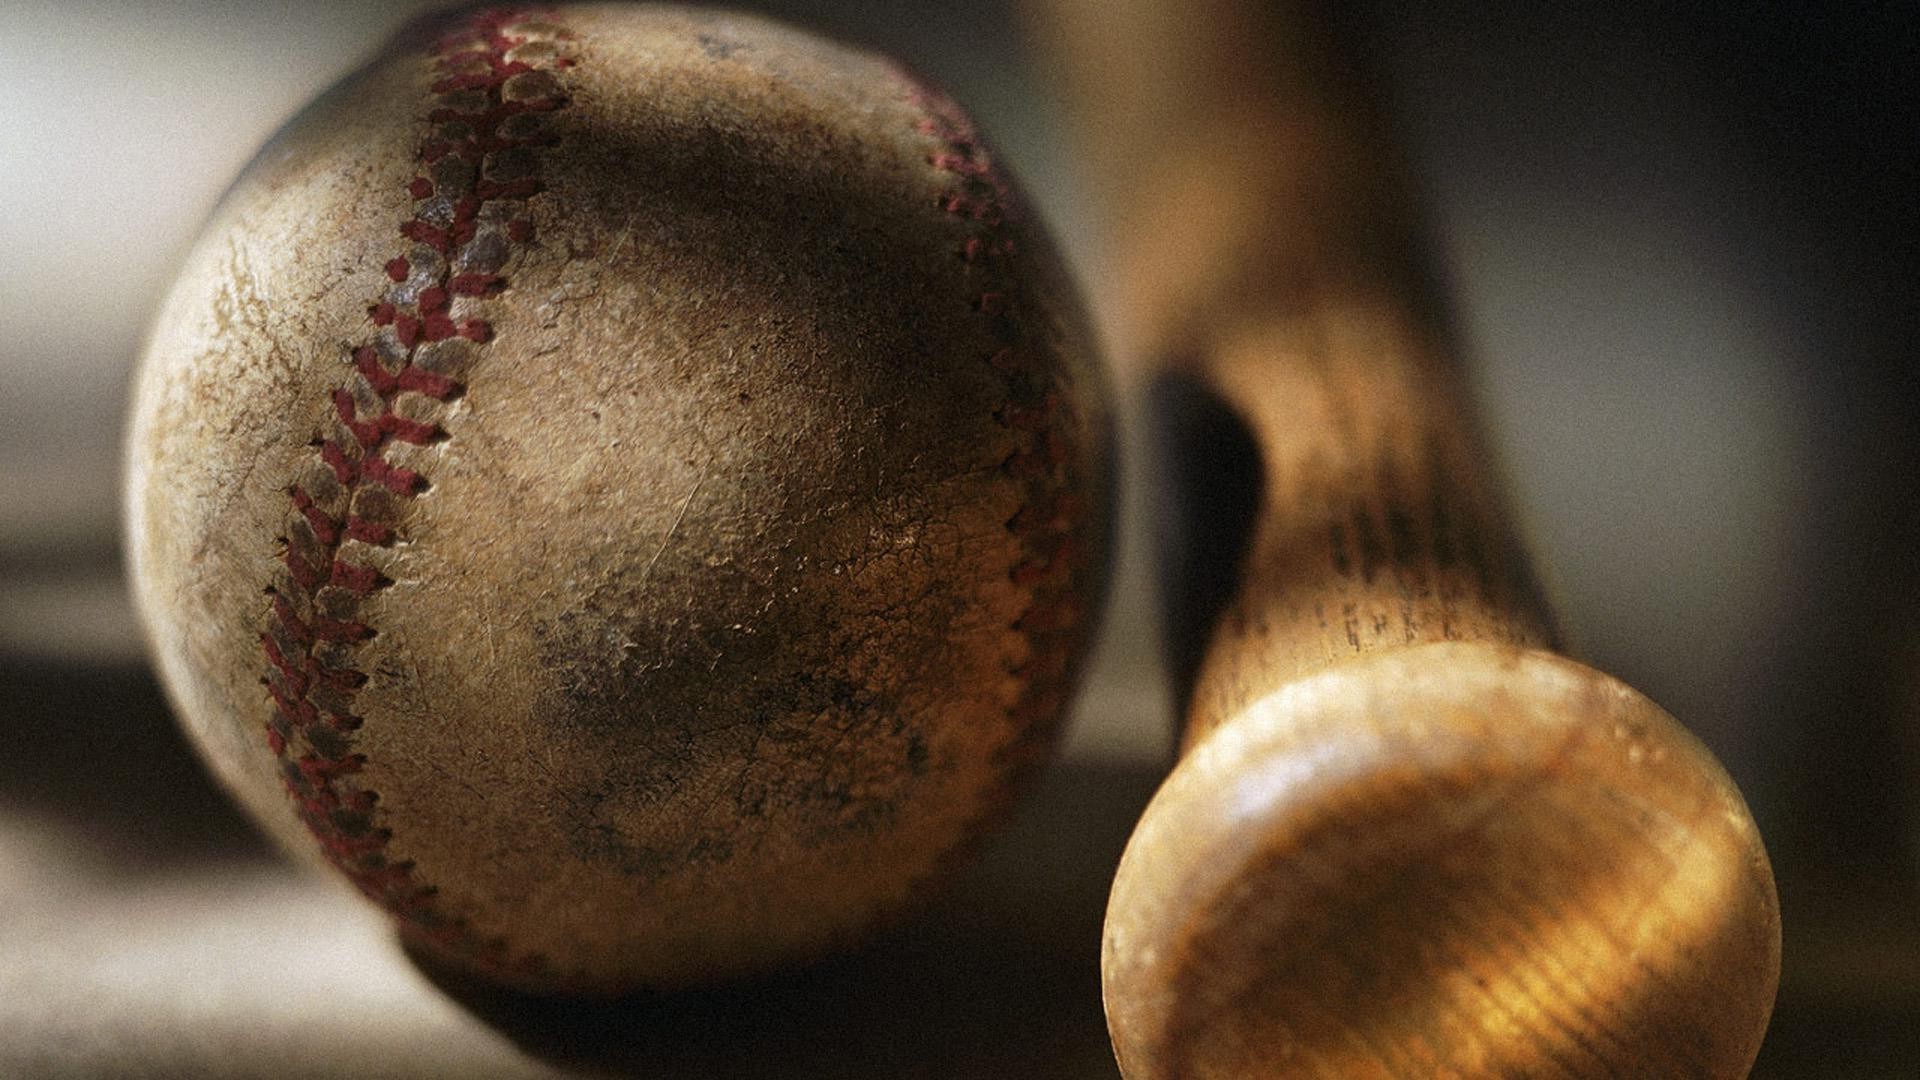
(1374, 519)
(1271, 270)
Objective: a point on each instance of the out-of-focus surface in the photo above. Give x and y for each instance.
(1682, 248)
(150, 932)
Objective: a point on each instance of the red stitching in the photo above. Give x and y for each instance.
(296, 627)
(310, 720)
(336, 459)
(369, 532)
(304, 573)
(475, 284)
(1042, 459)
(324, 527)
(356, 579)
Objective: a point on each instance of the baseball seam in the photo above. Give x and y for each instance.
(477, 168)
(494, 89)
(1039, 417)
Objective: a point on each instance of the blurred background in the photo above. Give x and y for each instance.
(1682, 247)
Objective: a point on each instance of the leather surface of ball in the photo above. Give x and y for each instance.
(625, 487)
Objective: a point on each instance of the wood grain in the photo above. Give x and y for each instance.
(1405, 839)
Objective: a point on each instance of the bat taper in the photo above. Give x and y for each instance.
(1406, 838)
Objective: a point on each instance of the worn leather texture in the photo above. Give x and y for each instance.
(678, 589)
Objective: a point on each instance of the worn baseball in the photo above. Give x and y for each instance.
(624, 485)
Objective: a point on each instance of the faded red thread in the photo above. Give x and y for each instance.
(311, 630)
(1034, 414)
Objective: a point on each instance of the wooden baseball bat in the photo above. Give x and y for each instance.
(1406, 838)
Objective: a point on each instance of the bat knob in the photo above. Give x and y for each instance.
(1444, 859)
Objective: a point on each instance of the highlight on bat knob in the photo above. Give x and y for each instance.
(1445, 859)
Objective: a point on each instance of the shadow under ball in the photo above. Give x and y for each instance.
(625, 487)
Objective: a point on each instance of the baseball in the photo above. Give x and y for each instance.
(625, 487)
